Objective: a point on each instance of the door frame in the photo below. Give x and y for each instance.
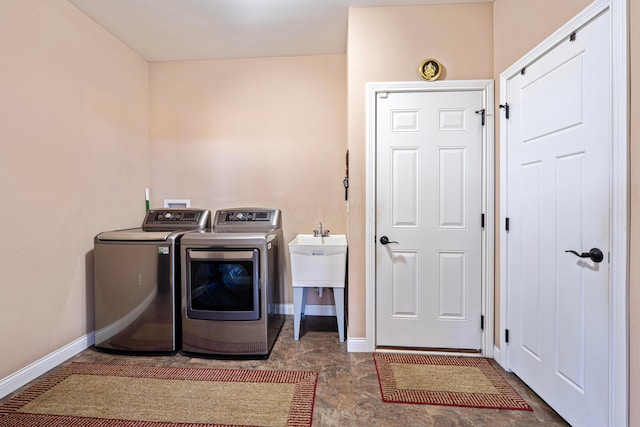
(619, 201)
(486, 87)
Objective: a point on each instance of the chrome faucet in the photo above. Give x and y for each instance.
(319, 232)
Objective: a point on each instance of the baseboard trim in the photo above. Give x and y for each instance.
(29, 373)
(310, 310)
(358, 345)
(497, 356)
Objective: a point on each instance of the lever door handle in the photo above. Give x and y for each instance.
(595, 254)
(385, 240)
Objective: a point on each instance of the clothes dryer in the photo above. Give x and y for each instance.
(232, 285)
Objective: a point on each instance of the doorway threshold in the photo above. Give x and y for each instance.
(429, 351)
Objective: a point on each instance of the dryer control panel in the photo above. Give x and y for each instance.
(247, 219)
(248, 216)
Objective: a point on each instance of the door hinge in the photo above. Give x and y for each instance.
(482, 322)
(483, 113)
(523, 71)
(506, 335)
(506, 110)
(482, 221)
(506, 223)
(572, 37)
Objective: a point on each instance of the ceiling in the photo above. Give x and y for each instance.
(169, 30)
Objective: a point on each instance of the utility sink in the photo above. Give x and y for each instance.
(318, 261)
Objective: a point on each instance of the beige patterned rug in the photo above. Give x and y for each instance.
(87, 394)
(444, 380)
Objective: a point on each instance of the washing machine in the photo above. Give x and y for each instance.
(232, 285)
(137, 276)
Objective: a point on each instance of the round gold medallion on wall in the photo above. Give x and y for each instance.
(430, 69)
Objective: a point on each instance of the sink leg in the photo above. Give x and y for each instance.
(338, 298)
(299, 300)
(304, 303)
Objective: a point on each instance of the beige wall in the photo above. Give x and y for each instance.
(74, 161)
(388, 44)
(520, 25)
(253, 132)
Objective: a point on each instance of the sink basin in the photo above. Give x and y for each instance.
(318, 261)
(309, 240)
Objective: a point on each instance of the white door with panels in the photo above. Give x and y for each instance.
(558, 199)
(429, 148)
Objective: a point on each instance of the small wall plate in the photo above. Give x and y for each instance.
(430, 69)
(177, 203)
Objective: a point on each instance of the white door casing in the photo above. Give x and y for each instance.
(429, 158)
(573, 325)
(485, 89)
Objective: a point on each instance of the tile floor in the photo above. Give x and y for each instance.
(348, 393)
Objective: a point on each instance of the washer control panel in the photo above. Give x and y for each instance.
(176, 219)
(162, 216)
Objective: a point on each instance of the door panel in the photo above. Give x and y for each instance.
(566, 78)
(558, 156)
(405, 182)
(406, 284)
(429, 189)
(452, 194)
(530, 248)
(452, 285)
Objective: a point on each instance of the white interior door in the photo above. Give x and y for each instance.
(558, 156)
(428, 209)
